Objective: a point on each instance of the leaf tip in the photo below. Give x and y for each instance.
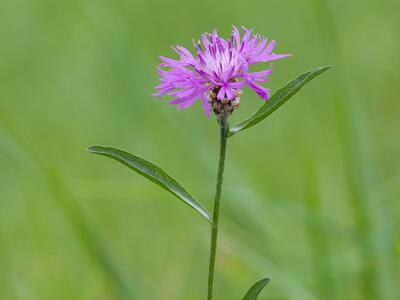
(93, 149)
(256, 289)
(265, 281)
(325, 68)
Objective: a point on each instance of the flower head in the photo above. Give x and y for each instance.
(218, 71)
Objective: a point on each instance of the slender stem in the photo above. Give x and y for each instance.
(224, 129)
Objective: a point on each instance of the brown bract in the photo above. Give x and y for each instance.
(223, 106)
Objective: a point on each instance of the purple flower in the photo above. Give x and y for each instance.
(218, 71)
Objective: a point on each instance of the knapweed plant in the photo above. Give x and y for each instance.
(216, 75)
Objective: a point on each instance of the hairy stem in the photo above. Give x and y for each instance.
(224, 129)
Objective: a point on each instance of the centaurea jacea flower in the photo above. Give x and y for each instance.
(218, 72)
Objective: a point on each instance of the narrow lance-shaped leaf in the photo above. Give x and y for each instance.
(256, 289)
(153, 173)
(279, 98)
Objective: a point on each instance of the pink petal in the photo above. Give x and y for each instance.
(206, 105)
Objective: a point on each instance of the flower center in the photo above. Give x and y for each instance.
(221, 62)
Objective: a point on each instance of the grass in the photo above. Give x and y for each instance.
(310, 195)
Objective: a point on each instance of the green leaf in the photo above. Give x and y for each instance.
(256, 289)
(153, 173)
(279, 98)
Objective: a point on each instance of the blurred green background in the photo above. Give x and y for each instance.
(310, 196)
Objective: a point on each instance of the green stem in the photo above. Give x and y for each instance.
(224, 129)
